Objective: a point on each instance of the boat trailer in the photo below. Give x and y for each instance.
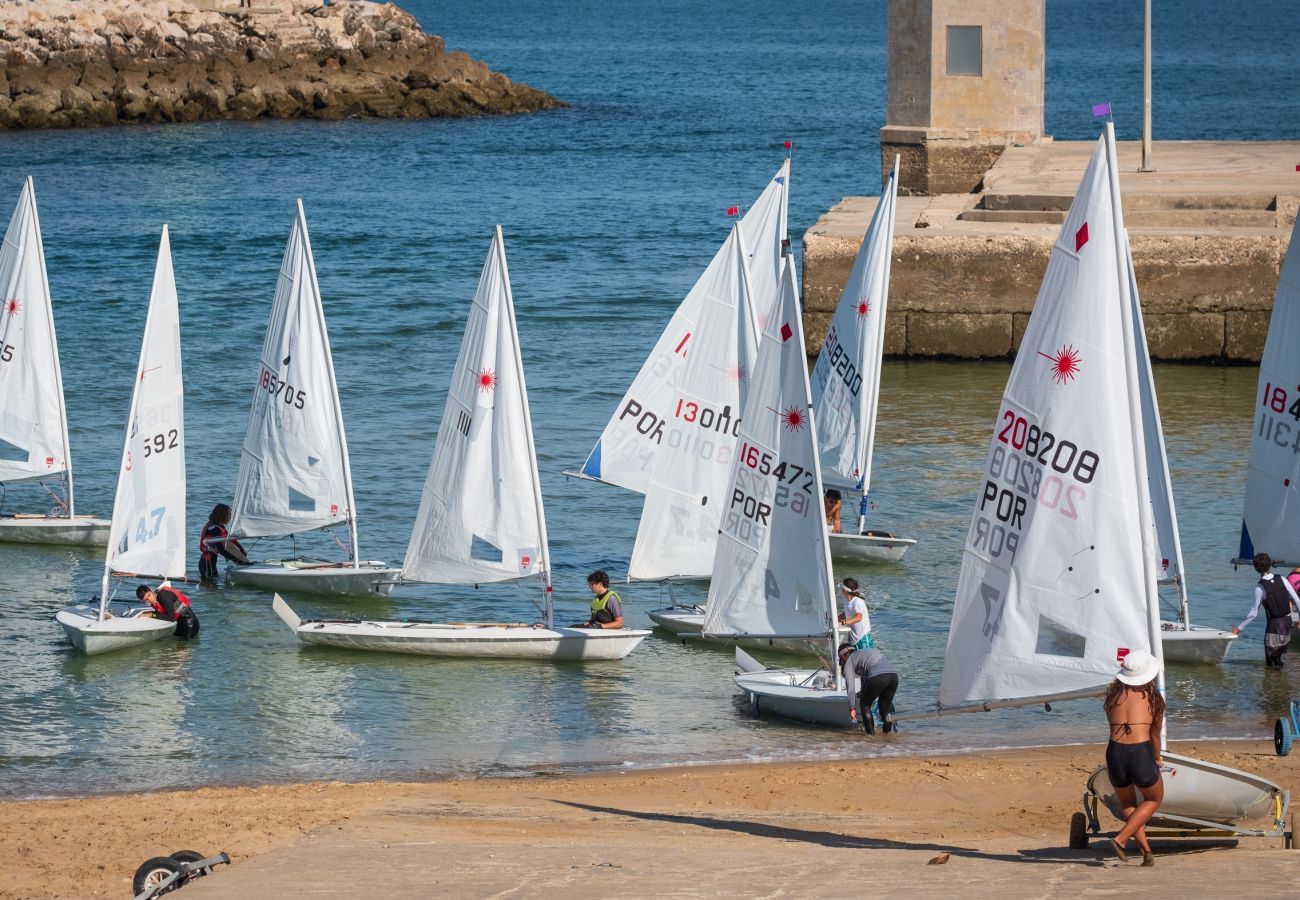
(164, 874)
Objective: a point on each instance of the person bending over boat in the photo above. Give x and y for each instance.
(855, 616)
(169, 603)
(1278, 599)
(606, 608)
(1136, 712)
(215, 539)
(868, 677)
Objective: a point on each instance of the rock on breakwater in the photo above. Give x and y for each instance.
(108, 62)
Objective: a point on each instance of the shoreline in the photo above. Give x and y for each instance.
(509, 830)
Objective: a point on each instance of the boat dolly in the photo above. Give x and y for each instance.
(164, 874)
(1286, 729)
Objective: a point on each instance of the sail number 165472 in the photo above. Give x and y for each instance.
(765, 464)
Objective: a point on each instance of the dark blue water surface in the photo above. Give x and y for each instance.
(611, 208)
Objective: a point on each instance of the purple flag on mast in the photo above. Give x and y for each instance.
(1100, 109)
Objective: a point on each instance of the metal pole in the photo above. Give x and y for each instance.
(1147, 164)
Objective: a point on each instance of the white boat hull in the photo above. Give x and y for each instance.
(1202, 791)
(801, 695)
(496, 641)
(687, 623)
(1197, 644)
(128, 627)
(82, 531)
(869, 547)
(370, 577)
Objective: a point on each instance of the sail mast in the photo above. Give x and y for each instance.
(1146, 522)
(545, 549)
(355, 550)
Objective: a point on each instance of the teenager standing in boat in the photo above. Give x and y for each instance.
(215, 539)
(607, 607)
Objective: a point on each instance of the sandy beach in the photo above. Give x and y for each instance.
(871, 827)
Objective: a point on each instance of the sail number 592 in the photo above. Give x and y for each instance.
(165, 440)
(1065, 456)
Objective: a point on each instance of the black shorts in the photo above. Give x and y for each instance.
(1131, 764)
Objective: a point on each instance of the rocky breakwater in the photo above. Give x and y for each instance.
(108, 62)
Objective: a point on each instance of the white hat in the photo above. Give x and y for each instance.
(1138, 667)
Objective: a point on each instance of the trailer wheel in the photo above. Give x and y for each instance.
(1078, 831)
(153, 873)
(1282, 737)
(191, 856)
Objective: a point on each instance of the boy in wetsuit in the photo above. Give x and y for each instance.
(215, 539)
(169, 603)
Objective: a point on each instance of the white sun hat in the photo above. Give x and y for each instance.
(1138, 667)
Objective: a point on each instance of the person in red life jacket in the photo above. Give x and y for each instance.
(215, 539)
(1278, 599)
(169, 603)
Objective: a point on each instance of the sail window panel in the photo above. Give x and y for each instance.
(300, 502)
(12, 452)
(1055, 639)
(485, 551)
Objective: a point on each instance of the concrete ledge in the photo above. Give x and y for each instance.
(1209, 231)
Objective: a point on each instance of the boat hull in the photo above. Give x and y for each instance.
(369, 578)
(869, 547)
(493, 641)
(1197, 644)
(687, 623)
(81, 531)
(127, 627)
(801, 695)
(1201, 791)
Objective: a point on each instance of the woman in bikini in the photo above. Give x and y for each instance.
(1136, 713)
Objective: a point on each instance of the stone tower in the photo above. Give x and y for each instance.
(965, 80)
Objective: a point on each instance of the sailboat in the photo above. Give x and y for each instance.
(772, 572)
(147, 539)
(33, 419)
(846, 383)
(1059, 573)
(294, 474)
(481, 518)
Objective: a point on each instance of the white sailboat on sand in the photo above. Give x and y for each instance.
(846, 384)
(294, 473)
(33, 418)
(481, 518)
(772, 572)
(1059, 573)
(147, 539)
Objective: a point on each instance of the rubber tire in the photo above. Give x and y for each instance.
(1282, 737)
(154, 871)
(191, 856)
(1078, 831)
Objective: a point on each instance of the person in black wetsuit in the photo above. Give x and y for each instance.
(215, 539)
(1136, 712)
(169, 603)
(1278, 599)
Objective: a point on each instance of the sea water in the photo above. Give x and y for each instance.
(611, 208)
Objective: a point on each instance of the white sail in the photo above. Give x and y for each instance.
(625, 452)
(293, 472)
(772, 571)
(148, 530)
(1168, 558)
(33, 424)
(764, 231)
(691, 471)
(1271, 521)
(846, 378)
(1054, 586)
(481, 518)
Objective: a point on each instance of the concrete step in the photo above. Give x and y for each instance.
(1136, 218)
(1027, 216)
(1134, 200)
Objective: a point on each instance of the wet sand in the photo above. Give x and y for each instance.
(872, 827)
